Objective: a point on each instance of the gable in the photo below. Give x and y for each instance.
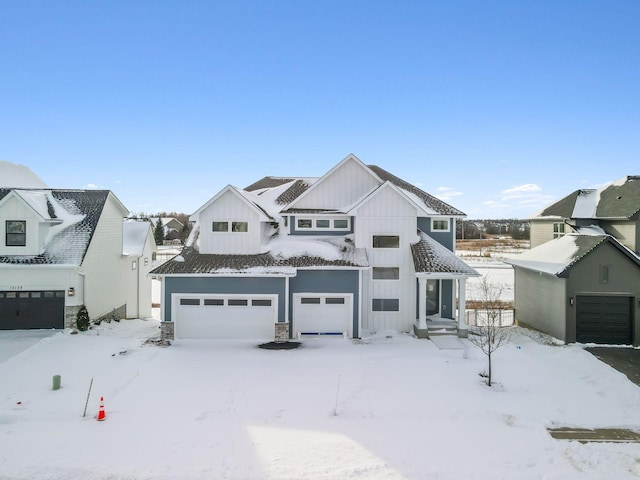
(385, 201)
(339, 188)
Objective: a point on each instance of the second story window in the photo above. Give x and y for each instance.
(16, 233)
(439, 225)
(558, 230)
(236, 227)
(323, 224)
(219, 226)
(241, 227)
(386, 241)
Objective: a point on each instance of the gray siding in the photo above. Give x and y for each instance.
(328, 281)
(541, 302)
(443, 238)
(225, 285)
(624, 280)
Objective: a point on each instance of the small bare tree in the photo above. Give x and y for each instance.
(489, 334)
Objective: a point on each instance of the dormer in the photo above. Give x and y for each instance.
(26, 218)
(230, 223)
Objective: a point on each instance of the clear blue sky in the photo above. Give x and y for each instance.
(497, 106)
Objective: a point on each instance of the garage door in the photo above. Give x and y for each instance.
(602, 319)
(29, 310)
(225, 316)
(322, 313)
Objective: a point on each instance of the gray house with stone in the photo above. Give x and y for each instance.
(580, 282)
(60, 249)
(357, 250)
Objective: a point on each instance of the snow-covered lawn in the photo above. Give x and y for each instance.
(228, 410)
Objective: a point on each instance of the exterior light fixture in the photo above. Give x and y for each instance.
(71, 292)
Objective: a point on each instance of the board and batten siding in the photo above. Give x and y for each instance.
(14, 208)
(229, 207)
(627, 233)
(541, 301)
(107, 273)
(387, 213)
(339, 189)
(224, 286)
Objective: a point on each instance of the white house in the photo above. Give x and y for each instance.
(60, 249)
(356, 250)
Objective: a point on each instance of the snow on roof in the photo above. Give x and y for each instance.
(13, 175)
(556, 256)
(40, 201)
(429, 256)
(134, 236)
(586, 204)
(66, 243)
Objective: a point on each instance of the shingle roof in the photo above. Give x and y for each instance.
(78, 212)
(617, 200)
(430, 201)
(558, 256)
(276, 261)
(429, 256)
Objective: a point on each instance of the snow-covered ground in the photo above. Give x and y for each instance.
(387, 407)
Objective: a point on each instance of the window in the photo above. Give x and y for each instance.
(334, 300)
(558, 230)
(386, 304)
(310, 300)
(220, 226)
(386, 241)
(386, 273)
(341, 224)
(240, 227)
(323, 223)
(189, 301)
(439, 225)
(217, 302)
(16, 233)
(238, 302)
(305, 223)
(260, 303)
(604, 273)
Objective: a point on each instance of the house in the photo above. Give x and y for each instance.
(60, 249)
(580, 282)
(615, 208)
(172, 227)
(357, 250)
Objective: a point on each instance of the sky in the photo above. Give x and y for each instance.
(497, 107)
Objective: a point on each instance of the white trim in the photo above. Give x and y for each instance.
(441, 219)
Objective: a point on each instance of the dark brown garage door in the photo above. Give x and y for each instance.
(602, 319)
(28, 310)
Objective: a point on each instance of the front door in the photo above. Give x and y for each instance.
(433, 297)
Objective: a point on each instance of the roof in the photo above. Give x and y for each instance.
(616, 200)
(431, 202)
(558, 256)
(429, 256)
(77, 213)
(283, 256)
(134, 236)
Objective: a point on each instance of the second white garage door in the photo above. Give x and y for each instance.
(225, 316)
(322, 313)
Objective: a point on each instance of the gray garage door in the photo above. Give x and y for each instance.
(602, 319)
(28, 310)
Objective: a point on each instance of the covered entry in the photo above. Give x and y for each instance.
(604, 319)
(30, 310)
(326, 313)
(224, 316)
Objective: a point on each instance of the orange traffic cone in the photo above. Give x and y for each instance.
(101, 414)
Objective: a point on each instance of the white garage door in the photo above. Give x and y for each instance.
(322, 313)
(225, 316)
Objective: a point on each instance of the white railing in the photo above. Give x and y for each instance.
(505, 318)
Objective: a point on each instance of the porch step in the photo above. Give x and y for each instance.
(436, 327)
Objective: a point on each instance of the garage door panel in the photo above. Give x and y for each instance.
(32, 310)
(225, 317)
(324, 314)
(605, 320)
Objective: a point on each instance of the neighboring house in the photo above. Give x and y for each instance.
(580, 282)
(615, 208)
(60, 249)
(172, 227)
(356, 250)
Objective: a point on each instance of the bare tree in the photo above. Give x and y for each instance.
(489, 334)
